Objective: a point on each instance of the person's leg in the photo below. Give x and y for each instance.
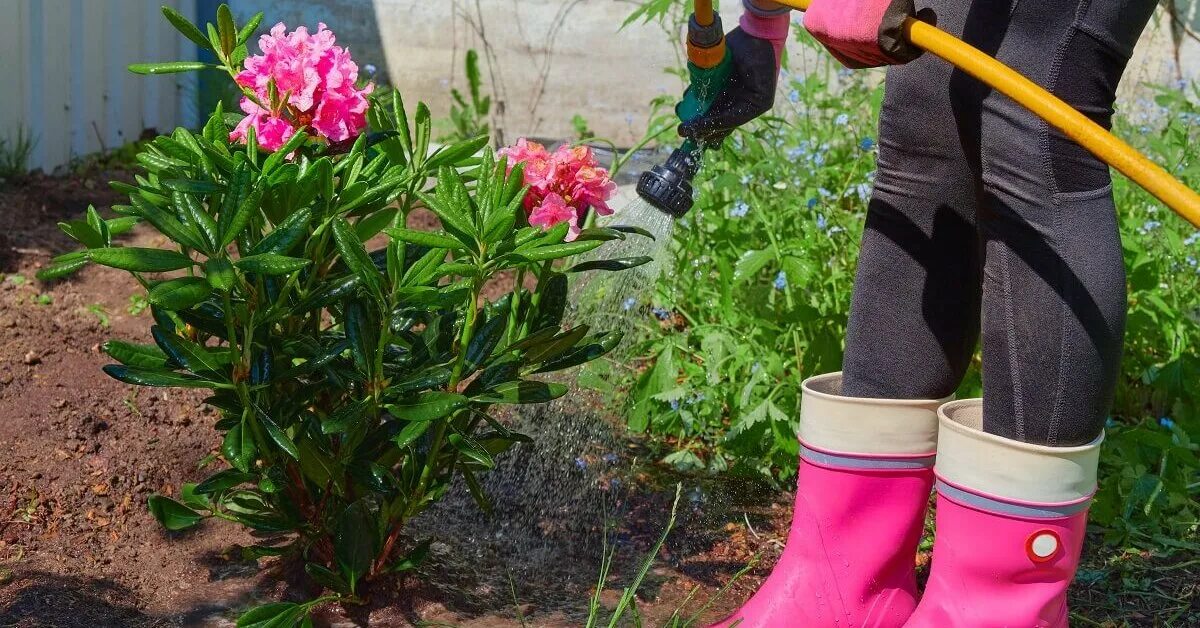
(867, 437)
(1017, 469)
(1054, 282)
(914, 314)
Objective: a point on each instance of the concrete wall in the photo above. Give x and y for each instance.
(62, 67)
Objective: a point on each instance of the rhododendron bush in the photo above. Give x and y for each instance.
(353, 359)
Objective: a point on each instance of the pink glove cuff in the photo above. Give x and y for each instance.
(774, 29)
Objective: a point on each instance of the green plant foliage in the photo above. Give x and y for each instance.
(353, 360)
(758, 299)
(15, 152)
(469, 114)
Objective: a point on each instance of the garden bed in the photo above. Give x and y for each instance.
(83, 452)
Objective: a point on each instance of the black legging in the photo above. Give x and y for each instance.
(977, 202)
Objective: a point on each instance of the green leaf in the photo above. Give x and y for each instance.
(557, 251)
(424, 124)
(63, 265)
(167, 223)
(428, 406)
(238, 447)
(327, 578)
(181, 293)
(472, 450)
(620, 264)
(522, 392)
(226, 28)
(144, 377)
(83, 233)
(279, 436)
(277, 615)
(355, 256)
(750, 263)
(344, 418)
(318, 467)
(193, 215)
(249, 27)
(193, 499)
(169, 67)
(188, 354)
(270, 264)
(601, 345)
(425, 238)
(355, 541)
(141, 260)
(285, 236)
(297, 140)
(410, 433)
(219, 273)
(453, 154)
(141, 356)
(240, 217)
(185, 26)
(173, 515)
(223, 480)
(191, 186)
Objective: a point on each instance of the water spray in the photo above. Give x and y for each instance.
(668, 186)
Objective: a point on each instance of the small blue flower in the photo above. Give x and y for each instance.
(628, 304)
(781, 281)
(581, 464)
(746, 179)
(867, 143)
(370, 70)
(863, 190)
(609, 458)
(822, 223)
(1192, 239)
(794, 96)
(823, 192)
(812, 202)
(661, 314)
(841, 120)
(796, 153)
(675, 405)
(1166, 422)
(740, 208)
(1148, 226)
(1109, 423)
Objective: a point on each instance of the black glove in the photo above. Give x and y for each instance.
(750, 93)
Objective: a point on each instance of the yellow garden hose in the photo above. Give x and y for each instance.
(1050, 108)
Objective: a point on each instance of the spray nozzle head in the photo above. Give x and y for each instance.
(669, 186)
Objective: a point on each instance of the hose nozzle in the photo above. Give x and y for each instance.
(669, 186)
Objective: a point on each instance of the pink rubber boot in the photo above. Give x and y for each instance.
(1010, 527)
(863, 485)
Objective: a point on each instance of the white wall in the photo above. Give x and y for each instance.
(62, 68)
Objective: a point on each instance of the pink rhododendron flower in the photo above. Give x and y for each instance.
(270, 131)
(316, 81)
(569, 177)
(552, 211)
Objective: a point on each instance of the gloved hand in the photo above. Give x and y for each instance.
(864, 33)
(755, 48)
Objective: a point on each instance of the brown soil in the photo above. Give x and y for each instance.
(79, 454)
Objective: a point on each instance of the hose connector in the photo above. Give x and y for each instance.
(706, 42)
(669, 186)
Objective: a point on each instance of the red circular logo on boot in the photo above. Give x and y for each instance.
(1042, 546)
